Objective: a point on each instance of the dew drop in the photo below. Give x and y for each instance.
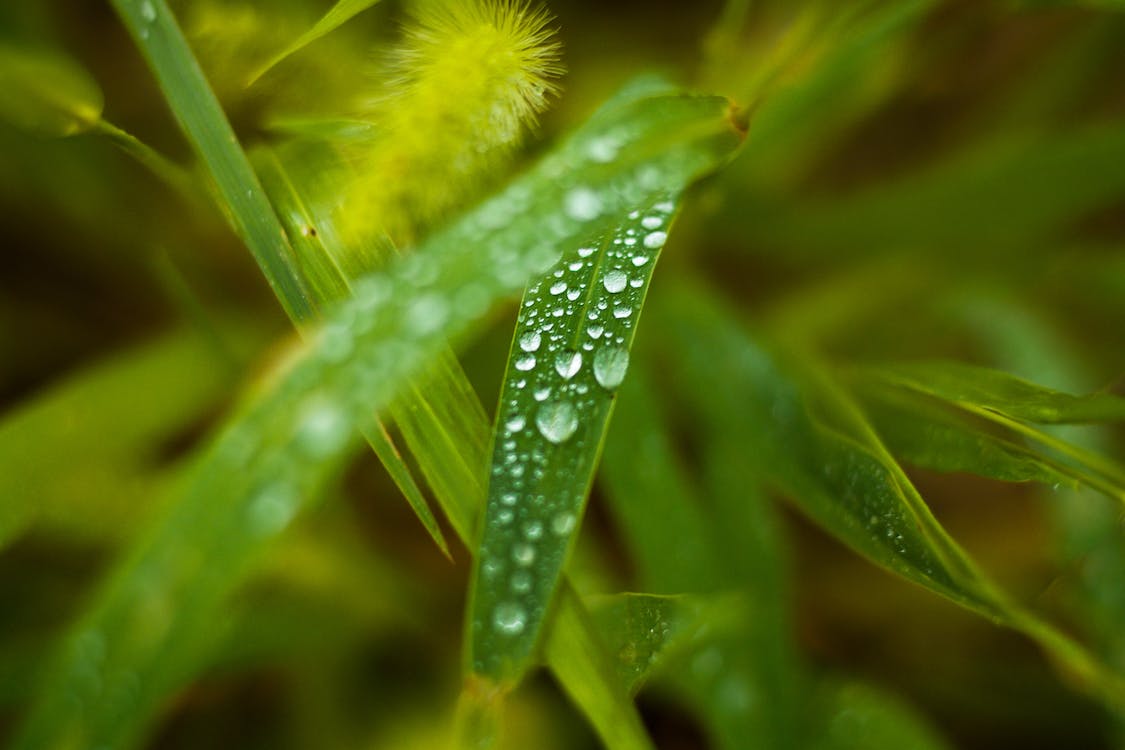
(585, 252)
(651, 222)
(541, 394)
(615, 281)
(516, 423)
(523, 554)
(602, 150)
(558, 287)
(533, 530)
(583, 204)
(521, 582)
(576, 265)
(148, 11)
(427, 313)
(322, 429)
(573, 294)
(595, 332)
(509, 618)
(568, 364)
(525, 363)
(640, 260)
(655, 240)
(563, 523)
(557, 421)
(610, 365)
(530, 341)
(273, 507)
(622, 312)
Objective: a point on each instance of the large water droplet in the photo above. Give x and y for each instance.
(595, 332)
(273, 507)
(523, 554)
(615, 281)
(558, 287)
(557, 421)
(610, 365)
(521, 582)
(148, 11)
(567, 364)
(622, 312)
(651, 222)
(322, 429)
(530, 341)
(583, 204)
(655, 240)
(585, 252)
(525, 363)
(563, 523)
(509, 618)
(516, 423)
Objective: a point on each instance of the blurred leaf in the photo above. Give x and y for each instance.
(336, 16)
(569, 354)
(860, 717)
(680, 543)
(840, 475)
(47, 93)
(961, 383)
(84, 455)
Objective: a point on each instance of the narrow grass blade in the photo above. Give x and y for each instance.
(147, 631)
(328, 283)
(841, 475)
(999, 391)
(926, 435)
(570, 353)
(195, 107)
(46, 93)
(79, 456)
(336, 16)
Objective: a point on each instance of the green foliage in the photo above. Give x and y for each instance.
(895, 309)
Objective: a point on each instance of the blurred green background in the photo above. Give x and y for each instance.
(920, 180)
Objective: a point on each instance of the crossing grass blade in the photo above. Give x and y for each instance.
(147, 630)
(839, 473)
(336, 16)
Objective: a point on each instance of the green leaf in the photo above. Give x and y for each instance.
(569, 355)
(924, 434)
(46, 93)
(840, 474)
(197, 110)
(148, 629)
(336, 16)
(961, 383)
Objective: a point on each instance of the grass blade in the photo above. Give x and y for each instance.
(958, 382)
(197, 110)
(336, 16)
(570, 354)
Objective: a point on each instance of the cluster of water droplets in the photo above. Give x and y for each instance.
(570, 354)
